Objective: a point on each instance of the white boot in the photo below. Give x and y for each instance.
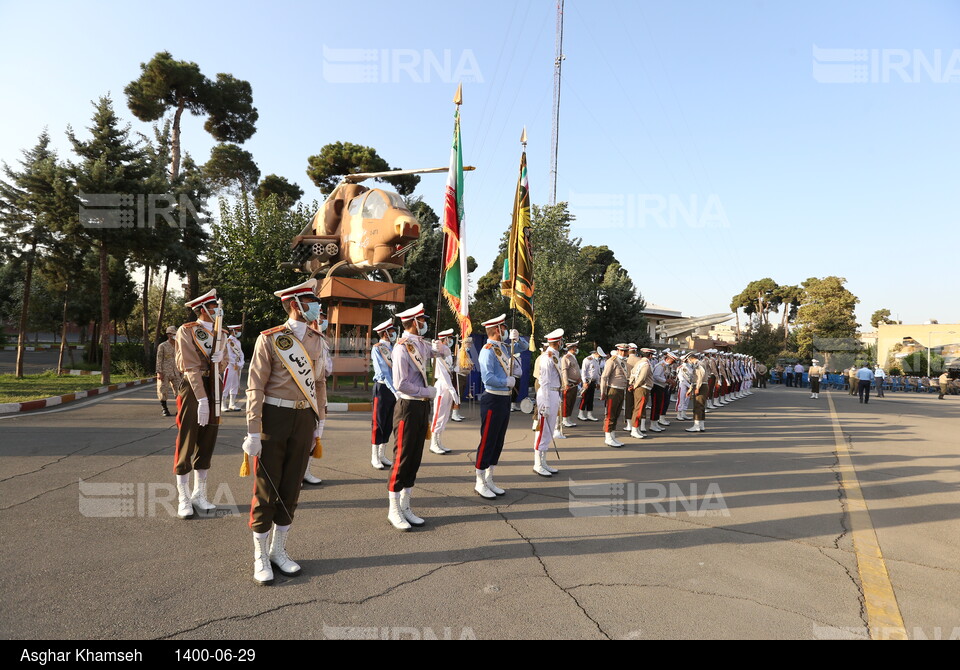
(435, 447)
(611, 440)
(696, 427)
(278, 552)
(514, 407)
(456, 416)
(591, 417)
(543, 462)
(680, 416)
(582, 417)
(481, 486)
(635, 433)
(395, 516)
(567, 423)
(408, 514)
(538, 464)
(489, 480)
(654, 427)
(558, 434)
(262, 572)
(663, 420)
(813, 395)
(233, 403)
(375, 457)
(184, 504)
(199, 496)
(382, 457)
(308, 476)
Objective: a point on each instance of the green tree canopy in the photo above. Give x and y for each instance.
(231, 169)
(827, 311)
(287, 193)
(342, 158)
(880, 316)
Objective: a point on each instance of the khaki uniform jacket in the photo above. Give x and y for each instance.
(569, 371)
(642, 375)
(614, 374)
(699, 377)
(815, 371)
(269, 377)
(192, 362)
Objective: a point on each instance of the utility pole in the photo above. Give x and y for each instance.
(555, 139)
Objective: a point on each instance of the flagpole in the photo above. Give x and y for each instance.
(457, 100)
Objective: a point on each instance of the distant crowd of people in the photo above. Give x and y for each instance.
(860, 380)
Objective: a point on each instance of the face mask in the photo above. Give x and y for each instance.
(422, 328)
(323, 326)
(392, 336)
(214, 313)
(312, 312)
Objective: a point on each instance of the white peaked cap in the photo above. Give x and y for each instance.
(384, 326)
(209, 296)
(307, 288)
(411, 313)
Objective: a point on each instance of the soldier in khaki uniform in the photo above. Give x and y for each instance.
(196, 433)
(570, 378)
(944, 381)
(613, 387)
(286, 403)
(632, 360)
(168, 376)
(815, 373)
(640, 385)
(698, 391)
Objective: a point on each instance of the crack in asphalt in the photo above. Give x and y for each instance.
(546, 572)
(74, 453)
(96, 474)
(844, 515)
(701, 593)
(313, 601)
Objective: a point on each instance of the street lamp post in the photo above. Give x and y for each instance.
(930, 334)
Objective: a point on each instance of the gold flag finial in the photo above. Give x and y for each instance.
(458, 98)
(523, 136)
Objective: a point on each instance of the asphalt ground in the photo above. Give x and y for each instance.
(740, 532)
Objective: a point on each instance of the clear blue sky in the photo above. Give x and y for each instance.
(714, 110)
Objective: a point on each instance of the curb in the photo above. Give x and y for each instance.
(30, 405)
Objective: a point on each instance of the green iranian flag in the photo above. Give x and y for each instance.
(454, 254)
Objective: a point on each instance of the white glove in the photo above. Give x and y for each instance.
(514, 334)
(217, 357)
(318, 433)
(511, 382)
(203, 411)
(252, 445)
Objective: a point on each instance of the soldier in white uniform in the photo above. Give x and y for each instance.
(591, 379)
(319, 326)
(233, 370)
(447, 395)
(384, 394)
(548, 402)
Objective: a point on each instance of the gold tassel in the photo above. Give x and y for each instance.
(245, 467)
(318, 449)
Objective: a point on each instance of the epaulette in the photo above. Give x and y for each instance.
(488, 346)
(190, 325)
(271, 331)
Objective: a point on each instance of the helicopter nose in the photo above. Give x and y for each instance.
(407, 227)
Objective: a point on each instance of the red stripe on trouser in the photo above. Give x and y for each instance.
(253, 502)
(483, 438)
(176, 447)
(606, 422)
(638, 412)
(436, 414)
(536, 447)
(373, 435)
(396, 462)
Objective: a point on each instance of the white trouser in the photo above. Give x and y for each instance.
(442, 405)
(682, 399)
(548, 406)
(231, 384)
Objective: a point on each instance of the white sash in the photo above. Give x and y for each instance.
(385, 353)
(417, 359)
(503, 359)
(298, 364)
(203, 340)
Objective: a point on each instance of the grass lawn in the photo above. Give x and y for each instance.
(35, 387)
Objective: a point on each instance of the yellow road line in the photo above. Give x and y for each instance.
(883, 613)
